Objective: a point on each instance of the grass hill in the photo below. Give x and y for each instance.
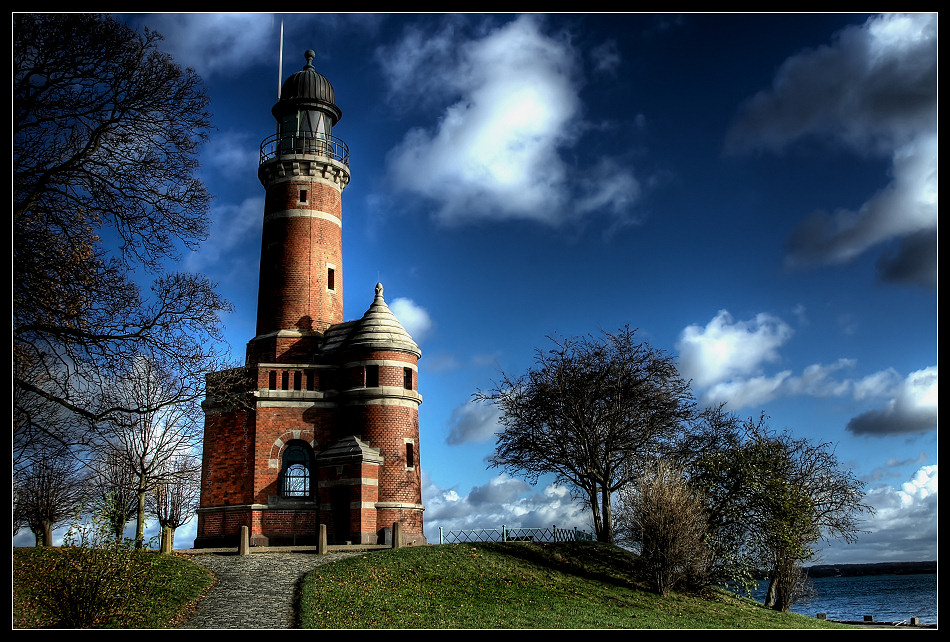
(516, 586)
(459, 586)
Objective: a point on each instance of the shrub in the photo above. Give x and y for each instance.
(664, 519)
(91, 579)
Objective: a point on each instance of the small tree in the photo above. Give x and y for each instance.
(50, 484)
(773, 497)
(590, 412)
(173, 500)
(113, 494)
(151, 441)
(664, 519)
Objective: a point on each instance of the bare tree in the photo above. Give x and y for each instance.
(106, 130)
(114, 490)
(50, 485)
(590, 412)
(174, 499)
(152, 442)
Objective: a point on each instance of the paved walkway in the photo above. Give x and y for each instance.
(255, 591)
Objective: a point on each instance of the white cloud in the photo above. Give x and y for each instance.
(496, 150)
(912, 410)
(725, 361)
(745, 393)
(906, 207)
(725, 348)
(414, 318)
(904, 526)
(873, 90)
(472, 422)
(502, 501)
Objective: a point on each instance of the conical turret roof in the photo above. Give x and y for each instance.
(377, 329)
(380, 329)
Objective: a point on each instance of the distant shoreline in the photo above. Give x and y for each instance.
(876, 568)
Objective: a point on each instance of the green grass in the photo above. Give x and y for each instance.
(173, 586)
(463, 586)
(516, 586)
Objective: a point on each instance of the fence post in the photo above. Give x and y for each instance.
(504, 533)
(441, 541)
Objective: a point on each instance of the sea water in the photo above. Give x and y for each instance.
(887, 598)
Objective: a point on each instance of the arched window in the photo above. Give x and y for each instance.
(295, 470)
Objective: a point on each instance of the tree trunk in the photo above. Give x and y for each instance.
(770, 593)
(140, 519)
(608, 525)
(47, 532)
(598, 521)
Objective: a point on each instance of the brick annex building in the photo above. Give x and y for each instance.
(321, 426)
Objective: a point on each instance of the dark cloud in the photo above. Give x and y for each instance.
(912, 261)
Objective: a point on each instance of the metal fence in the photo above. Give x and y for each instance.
(506, 534)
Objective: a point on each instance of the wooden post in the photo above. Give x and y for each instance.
(397, 535)
(243, 543)
(322, 539)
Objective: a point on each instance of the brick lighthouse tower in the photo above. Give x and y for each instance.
(321, 426)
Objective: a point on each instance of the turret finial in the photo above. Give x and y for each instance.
(310, 54)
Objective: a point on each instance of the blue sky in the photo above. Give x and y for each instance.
(756, 194)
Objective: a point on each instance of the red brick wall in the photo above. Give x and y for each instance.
(227, 459)
(295, 251)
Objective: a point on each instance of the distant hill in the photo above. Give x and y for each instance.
(878, 568)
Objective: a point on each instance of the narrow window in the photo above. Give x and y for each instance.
(303, 196)
(272, 380)
(331, 278)
(410, 455)
(372, 376)
(296, 380)
(285, 380)
(309, 379)
(407, 378)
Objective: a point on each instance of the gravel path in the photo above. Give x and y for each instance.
(256, 591)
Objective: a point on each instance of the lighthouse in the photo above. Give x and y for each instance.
(321, 424)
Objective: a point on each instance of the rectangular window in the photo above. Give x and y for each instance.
(303, 196)
(407, 378)
(285, 380)
(272, 380)
(309, 379)
(372, 376)
(331, 277)
(410, 455)
(296, 380)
